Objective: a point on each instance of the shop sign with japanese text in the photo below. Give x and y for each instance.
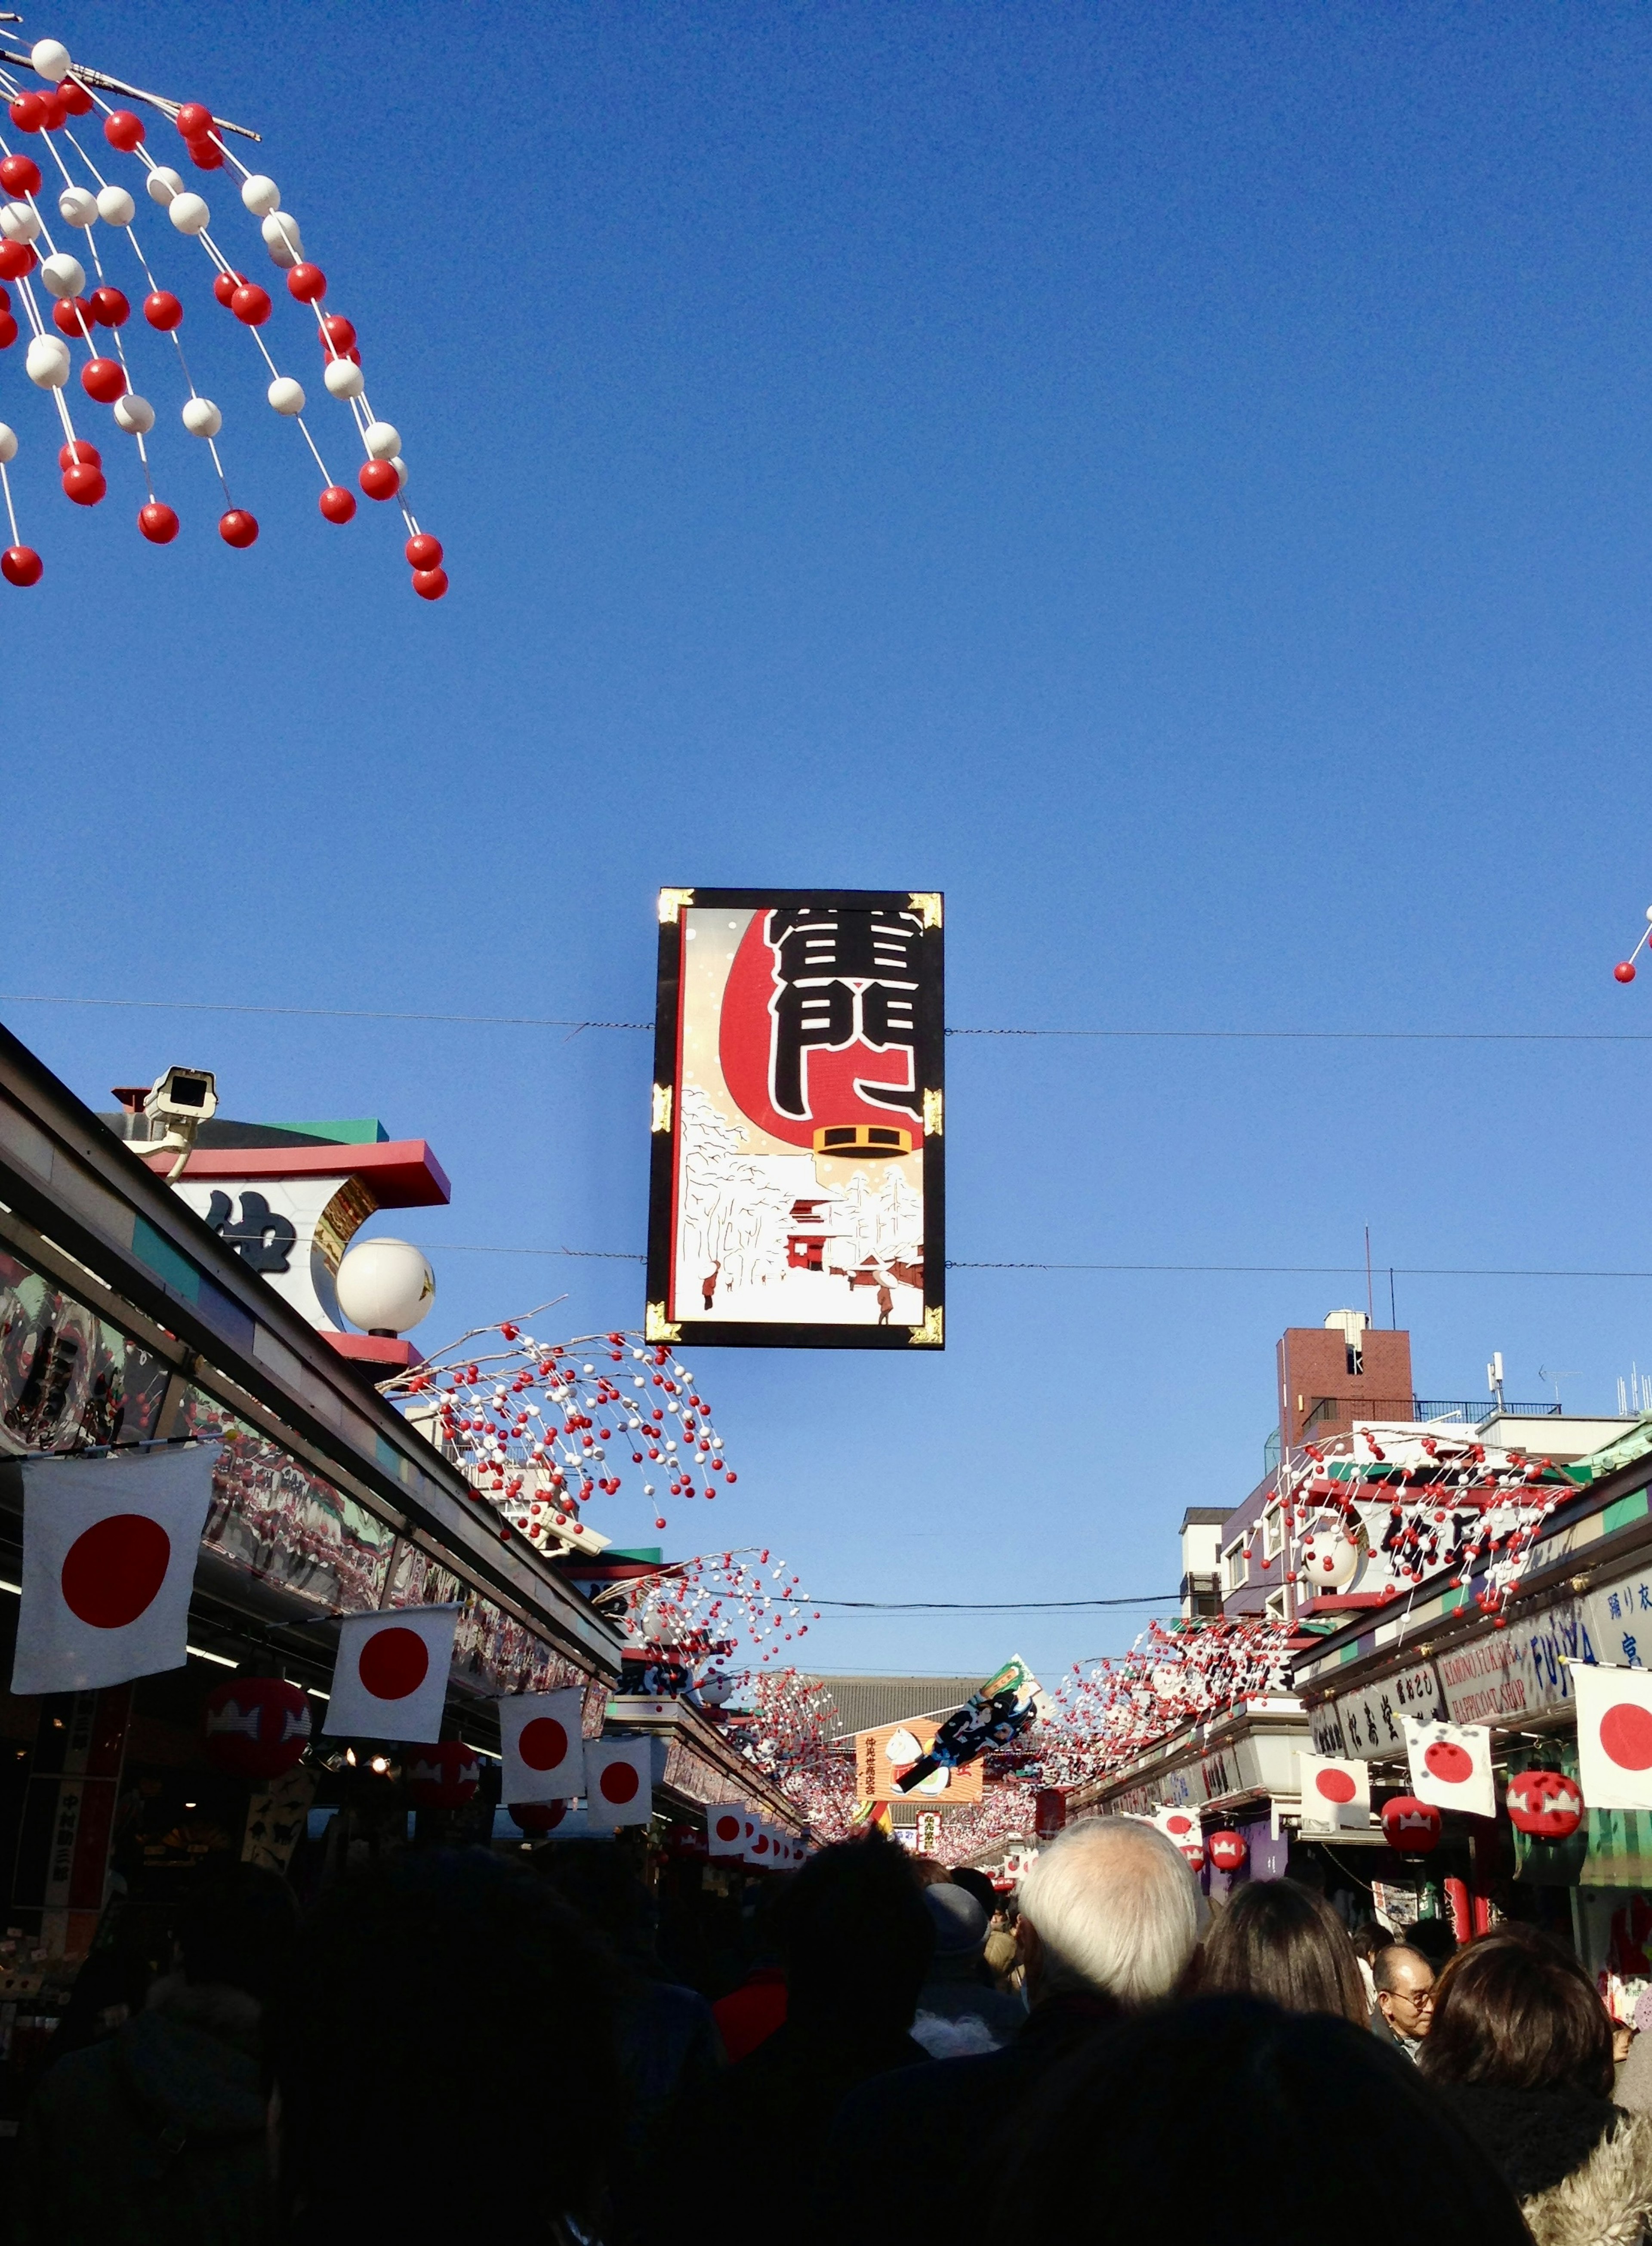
(1518, 1671)
(1357, 1725)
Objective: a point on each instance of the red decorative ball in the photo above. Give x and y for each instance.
(225, 285)
(17, 258)
(75, 100)
(159, 524)
(162, 310)
(20, 175)
(122, 130)
(424, 552)
(28, 113)
(337, 503)
(80, 454)
(57, 110)
(1624, 971)
(537, 1816)
(206, 155)
(308, 282)
(103, 379)
(7, 331)
(256, 1727)
(1544, 1803)
(110, 308)
(1411, 1827)
(20, 565)
(68, 313)
(250, 304)
(443, 1777)
(85, 485)
(1226, 1851)
(378, 480)
(338, 332)
(193, 120)
(238, 527)
(430, 585)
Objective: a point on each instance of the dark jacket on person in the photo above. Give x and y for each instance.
(1580, 2168)
(155, 2136)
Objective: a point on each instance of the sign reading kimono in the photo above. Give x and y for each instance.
(1336, 1793)
(1452, 1766)
(390, 1678)
(109, 1551)
(619, 1781)
(541, 1753)
(1614, 1736)
(796, 1181)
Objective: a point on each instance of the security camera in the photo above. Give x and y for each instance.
(183, 1100)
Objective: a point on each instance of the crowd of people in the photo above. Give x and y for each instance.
(457, 2043)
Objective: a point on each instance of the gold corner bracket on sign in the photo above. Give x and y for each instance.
(934, 1115)
(662, 1108)
(657, 1327)
(926, 903)
(672, 903)
(931, 1334)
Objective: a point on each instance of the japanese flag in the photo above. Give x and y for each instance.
(619, 1781)
(109, 1551)
(390, 1680)
(760, 1848)
(540, 1747)
(1614, 1735)
(1336, 1795)
(725, 1829)
(1451, 1765)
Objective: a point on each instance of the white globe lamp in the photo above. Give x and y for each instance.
(386, 1286)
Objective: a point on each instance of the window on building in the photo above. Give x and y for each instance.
(1273, 1533)
(1356, 1360)
(1235, 1570)
(1276, 1605)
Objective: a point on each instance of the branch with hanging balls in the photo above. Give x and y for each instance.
(1624, 971)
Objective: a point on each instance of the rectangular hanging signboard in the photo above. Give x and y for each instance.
(797, 1187)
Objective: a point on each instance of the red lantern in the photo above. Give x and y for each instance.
(443, 1777)
(537, 1816)
(1411, 1827)
(1544, 1803)
(1226, 1851)
(256, 1726)
(1049, 1810)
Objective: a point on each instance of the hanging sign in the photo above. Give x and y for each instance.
(797, 1182)
(1357, 1725)
(884, 1757)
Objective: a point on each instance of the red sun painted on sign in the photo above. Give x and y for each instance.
(543, 1744)
(393, 1662)
(113, 1570)
(1178, 1825)
(1626, 1735)
(1451, 1763)
(728, 1828)
(1336, 1786)
(618, 1783)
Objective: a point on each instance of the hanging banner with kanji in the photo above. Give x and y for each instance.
(797, 1187)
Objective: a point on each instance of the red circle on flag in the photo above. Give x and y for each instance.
(1178, 1824)
(618, 1783)
(543, 1743)
(728, 1828)
(1451, 1763)
(113, 1570)
(1336, 1786)
(393, 1664)
(1626, 1736)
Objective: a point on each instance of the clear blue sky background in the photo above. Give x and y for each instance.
(1176, 477)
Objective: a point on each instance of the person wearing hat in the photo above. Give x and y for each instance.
(959, 2010)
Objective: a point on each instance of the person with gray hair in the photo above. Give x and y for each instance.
(1110, 1908)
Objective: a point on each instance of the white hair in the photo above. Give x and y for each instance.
(1114, 1906)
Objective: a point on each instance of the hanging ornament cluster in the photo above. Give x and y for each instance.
(695, 1613)
(1174, 1675)
(64, 206)
(1624, 971)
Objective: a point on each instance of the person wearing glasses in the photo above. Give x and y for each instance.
(1405, 2009)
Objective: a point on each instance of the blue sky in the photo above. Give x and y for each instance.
(1174, 478)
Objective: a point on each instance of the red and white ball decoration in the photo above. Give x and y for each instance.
(66, 204)
(1226, 1852)
(1329, 1559)
(1174, 1675)
(1412, 1827)
(1545, 1804)
(1624, 971)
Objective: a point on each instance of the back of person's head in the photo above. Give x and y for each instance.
(603, 1882)
(1168, 2108)
(421, 1998)
(1368, 1938)
(978, 1884)
(856, 1938)
(1276, 1940)
(236, 1930)
(960, 1925)
(1517, 2009)
(1115, 1909)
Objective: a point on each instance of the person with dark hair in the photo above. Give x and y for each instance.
(978, 1884)
(157, 2133)
(959, 2010)
(1277, 1940)
(1520, 2051)
(1404, 2008)
(442, 2055)
(1141, 2134)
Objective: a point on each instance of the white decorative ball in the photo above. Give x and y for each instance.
(282, 238)
(63, 275)
(286, 395)
(19, 222)
(164, 183)
(1330, 1560)
(51, 59)
(260, 194)
(386, 1286)
(201, 416)
(115, 207)
(400, 466)
(134, 414)
(189, 212)
(78, 206)
(382, 442)
(46, 362)
(1167, 1681)
(8, 442)
(343, 378)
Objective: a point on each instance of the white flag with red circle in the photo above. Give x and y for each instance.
(541, 1752)
(1337, 1794)
(725, 1829)
(1452, 1766)
(1614, 1735)
(109, 1551)
(760, 1846)
(389, 1678)
(619, 1781)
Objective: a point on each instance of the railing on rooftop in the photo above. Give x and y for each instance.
(1470, 1412)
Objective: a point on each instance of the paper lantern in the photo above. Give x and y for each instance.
(1328, 1560)
(1226, 1851)
(1545, 1804)
(443, 1777)
(256, 1727)
(1049, 1810)
(1411, 1827)
(537, 1816)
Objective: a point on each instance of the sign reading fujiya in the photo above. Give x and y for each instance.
(796, 1177)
